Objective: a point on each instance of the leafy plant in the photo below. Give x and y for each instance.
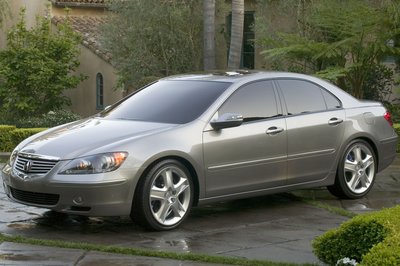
(37, 66)
(10, 136)
(153, 38)
(337, 42)
(50, 119)
(365, 238)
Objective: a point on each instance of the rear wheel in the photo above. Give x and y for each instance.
(165, 196)
(356, 171)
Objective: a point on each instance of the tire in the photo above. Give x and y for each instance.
(164, 197)
(356, 171)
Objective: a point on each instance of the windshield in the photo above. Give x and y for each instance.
(166, 101)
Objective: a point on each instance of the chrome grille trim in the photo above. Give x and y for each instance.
(33, 164)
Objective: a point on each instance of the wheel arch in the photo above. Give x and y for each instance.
(186, 163)
(373, 146)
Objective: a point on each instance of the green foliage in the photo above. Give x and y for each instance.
(352, 240)
(363, 237)
(10, 136)
(385, 253)
(397, 129)
(5, 138)
(50, 119)
(378, 83)
(36, 67)
(153, 38)
(337, 42)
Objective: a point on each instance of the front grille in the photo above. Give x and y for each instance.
(34, 166)
(35, 197)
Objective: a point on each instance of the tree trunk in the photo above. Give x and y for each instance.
(208, 34)
(235, 50)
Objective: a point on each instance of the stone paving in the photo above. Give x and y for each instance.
(276, 227)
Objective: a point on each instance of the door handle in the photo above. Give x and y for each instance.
(334, 121)
(274, 130)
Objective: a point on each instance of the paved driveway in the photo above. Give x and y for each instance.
(277, 227)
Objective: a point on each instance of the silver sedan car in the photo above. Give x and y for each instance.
(194, 139)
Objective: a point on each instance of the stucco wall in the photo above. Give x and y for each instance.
(83, 98)
(78, 11)
(33, 8)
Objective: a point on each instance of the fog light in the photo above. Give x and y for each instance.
(78, 200)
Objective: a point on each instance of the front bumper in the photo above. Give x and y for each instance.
(108, 194)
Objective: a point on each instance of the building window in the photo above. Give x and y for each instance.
(247, 58)
(390, 59)
(99, 92)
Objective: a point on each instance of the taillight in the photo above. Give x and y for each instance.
(388, 118)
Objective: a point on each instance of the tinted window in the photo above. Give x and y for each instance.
(253, 101)
(331, 101)
(175, 102)
(302, 96)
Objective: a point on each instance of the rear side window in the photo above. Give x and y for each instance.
(305, 97)
(253, 101)
(331, 101)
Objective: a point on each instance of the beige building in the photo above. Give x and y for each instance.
(98, 90)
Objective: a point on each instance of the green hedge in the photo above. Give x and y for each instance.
(370, 239)
(10, 136)
(5, 137)
(397, 129)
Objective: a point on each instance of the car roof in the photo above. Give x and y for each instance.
(235, 76)
(240, 77)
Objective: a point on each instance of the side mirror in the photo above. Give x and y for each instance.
(227, 120)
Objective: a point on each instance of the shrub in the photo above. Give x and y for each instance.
(50, 119)
(20, 134)
(10, 136)
(5, 139)
(397, 129)
(351, 240)
(385, 253)
(366, 238)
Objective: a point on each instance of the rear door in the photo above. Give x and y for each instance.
(315, 130)
(252, 156)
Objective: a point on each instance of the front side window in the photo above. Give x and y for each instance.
(99, 92)
(253, 101)
(302, 96)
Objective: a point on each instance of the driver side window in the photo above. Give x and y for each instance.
(254, 101)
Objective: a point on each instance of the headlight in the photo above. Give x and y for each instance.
(13, 157)
(94, 164)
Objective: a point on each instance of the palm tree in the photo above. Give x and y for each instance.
(235, 49)
(209, 34)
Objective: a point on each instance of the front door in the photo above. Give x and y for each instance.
(252, 156)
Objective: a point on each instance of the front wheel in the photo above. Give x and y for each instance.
(164, 197)
(356, 171)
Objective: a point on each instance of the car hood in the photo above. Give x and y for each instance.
(80, 138)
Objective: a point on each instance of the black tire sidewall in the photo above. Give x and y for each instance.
(148, 219)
